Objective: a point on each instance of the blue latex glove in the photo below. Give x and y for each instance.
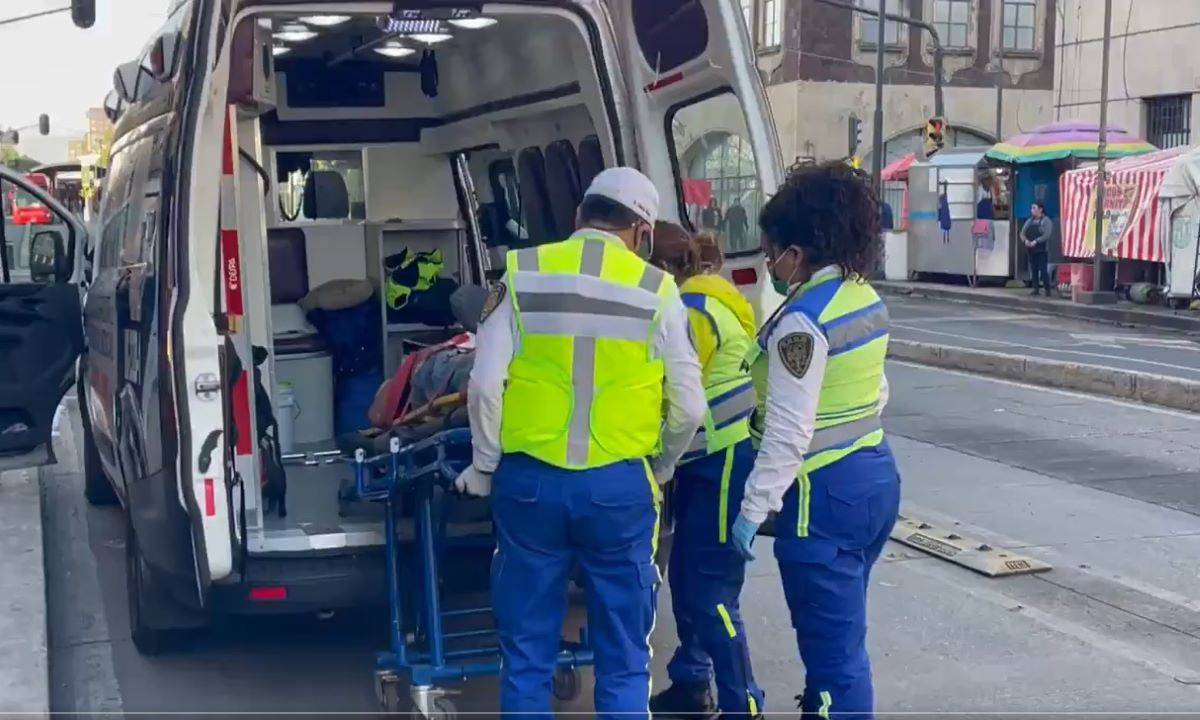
(743, 535)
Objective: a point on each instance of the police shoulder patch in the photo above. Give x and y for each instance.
(494, 299)
(796, 351)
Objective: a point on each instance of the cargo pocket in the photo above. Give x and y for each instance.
(849, 508)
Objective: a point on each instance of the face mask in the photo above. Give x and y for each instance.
(782, 286)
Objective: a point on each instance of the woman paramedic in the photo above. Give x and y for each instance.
(823, 462)
(706, 572)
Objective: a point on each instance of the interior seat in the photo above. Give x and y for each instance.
(287, 261)
(535, 207)
(326, 196)
(591, 160)
(563, 185)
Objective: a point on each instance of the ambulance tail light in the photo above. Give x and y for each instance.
(745, 276)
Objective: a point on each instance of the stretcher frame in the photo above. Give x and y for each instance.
(415, 472)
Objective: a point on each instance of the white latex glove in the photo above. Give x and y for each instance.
(475, 483)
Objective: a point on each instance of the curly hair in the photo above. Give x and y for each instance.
(831, 212)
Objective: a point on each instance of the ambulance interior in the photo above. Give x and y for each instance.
(362, 148)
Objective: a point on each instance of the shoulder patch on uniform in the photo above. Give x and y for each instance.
(796, 352)
(494, 299)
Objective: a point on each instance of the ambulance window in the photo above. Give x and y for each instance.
(670, 32)
(24, 217)
(715, 170)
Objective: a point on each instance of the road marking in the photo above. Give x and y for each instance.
(967, 318)
(1058, 391)
(1026, 346)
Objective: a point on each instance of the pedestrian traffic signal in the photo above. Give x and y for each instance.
(935, 135)
(855, 135)
(43, 124)
(83, 13)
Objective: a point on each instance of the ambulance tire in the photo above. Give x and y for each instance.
(151, 607)
(97, 489)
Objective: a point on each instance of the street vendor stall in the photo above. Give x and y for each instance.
(1039, 157)
(1145, 219)
(953, 227)
(1180, 197)
(895, 236)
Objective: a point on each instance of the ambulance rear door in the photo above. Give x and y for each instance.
(705, 133)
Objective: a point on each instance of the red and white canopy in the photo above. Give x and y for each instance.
(1134, 215)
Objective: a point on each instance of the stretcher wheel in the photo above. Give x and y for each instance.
(567, 685)
(390, 694)
(443, 708)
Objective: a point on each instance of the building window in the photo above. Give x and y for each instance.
(772, 23)
(748, 14)
(891, 30)
(951, 18)
(1169, 121)
(1018, 25)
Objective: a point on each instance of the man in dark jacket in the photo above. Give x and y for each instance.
(1036, 234)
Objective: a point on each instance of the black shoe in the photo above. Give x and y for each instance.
(1035, 293)
(684, 700)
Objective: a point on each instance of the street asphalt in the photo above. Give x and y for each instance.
(956, 324)
(1107, 492)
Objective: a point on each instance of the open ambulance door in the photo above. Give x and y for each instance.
(706, 136)
(41, 326)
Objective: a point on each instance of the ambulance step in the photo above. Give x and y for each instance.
(968, 552)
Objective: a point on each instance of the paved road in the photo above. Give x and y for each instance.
(945, 322)
(1107, 492)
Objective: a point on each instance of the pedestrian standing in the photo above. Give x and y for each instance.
(583, 371)
(1036, 234)
(706, 572)
(823, 461)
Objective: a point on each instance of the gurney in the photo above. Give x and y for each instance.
(426, 648)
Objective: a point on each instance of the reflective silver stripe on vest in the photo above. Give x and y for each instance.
(734, 405)
(583, 306)
(843, 435)
(847, 332)
(583, 387)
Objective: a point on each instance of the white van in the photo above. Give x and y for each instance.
(264, 148)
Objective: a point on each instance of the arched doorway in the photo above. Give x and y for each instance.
(726, 161)
(913, 141)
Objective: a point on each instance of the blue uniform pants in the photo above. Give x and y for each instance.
(547, 519)
(706, 575)
(830, 532)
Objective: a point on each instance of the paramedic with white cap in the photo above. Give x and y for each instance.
(580, 344)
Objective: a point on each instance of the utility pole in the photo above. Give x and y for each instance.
(877, 138)
(1098, 296)
(939, 103)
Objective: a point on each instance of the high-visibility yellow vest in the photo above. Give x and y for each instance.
(723, 334)
(585, 387)
(854, 321)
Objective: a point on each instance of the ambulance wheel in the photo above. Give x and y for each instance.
(157, 624)
(567, 685)
(96, 487)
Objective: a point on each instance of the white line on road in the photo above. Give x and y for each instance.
(1005, 343)
(1057, 391)
(967, 318)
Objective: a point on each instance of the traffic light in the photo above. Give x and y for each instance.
(83, 13)
(935, 135)
(855, 135)
(43, 124)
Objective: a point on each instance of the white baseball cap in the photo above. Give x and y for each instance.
(628, 187)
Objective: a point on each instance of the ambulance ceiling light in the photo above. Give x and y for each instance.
(474, 23)
(394, 50)
(324, 20)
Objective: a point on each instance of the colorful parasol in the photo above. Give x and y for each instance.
(1069, 138)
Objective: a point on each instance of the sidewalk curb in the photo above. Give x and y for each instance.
(24, 646)
(1113, 315)
(1169, 392)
